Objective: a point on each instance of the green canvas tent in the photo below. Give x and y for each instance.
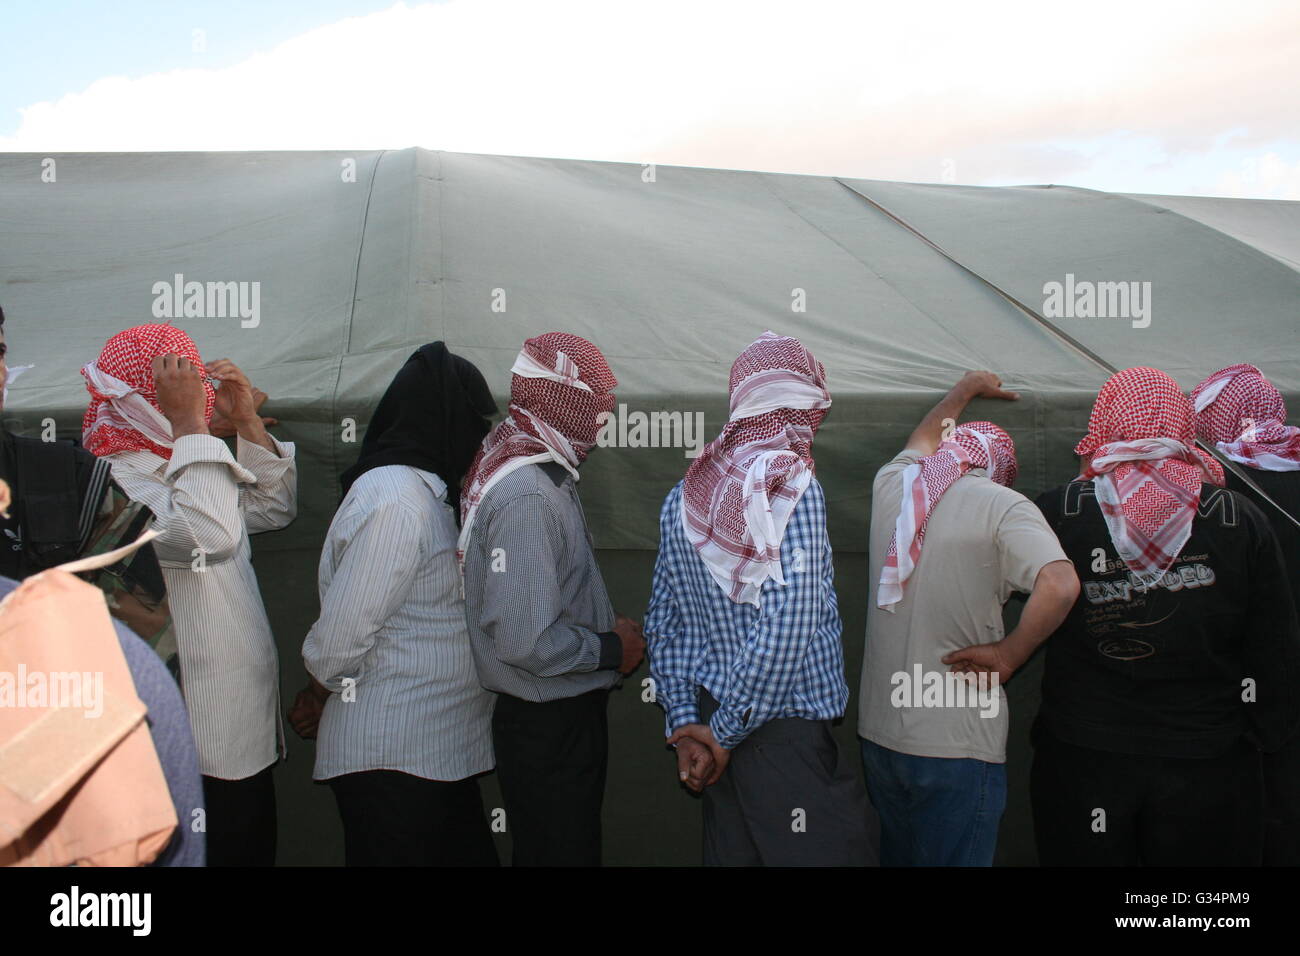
(360, 256)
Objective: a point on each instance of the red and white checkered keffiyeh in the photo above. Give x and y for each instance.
(1240, 412)
(972, 445)
(124, 414)
(740, 491)
(1145, 469)
(560, 394)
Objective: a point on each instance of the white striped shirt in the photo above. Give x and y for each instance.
(207, 502)
(392, 620)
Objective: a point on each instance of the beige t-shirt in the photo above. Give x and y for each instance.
(983, 542)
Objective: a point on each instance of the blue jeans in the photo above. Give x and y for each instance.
(935, 811)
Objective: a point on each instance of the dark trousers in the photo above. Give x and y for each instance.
(1095, 808)
(787, 798)
(240, 820)
(1282, 805)
(392, 818)
(551, 760)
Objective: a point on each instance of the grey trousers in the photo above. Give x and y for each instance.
(787, 798)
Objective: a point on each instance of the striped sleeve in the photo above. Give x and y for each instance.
(270, 501)
(198, 506)
(379, 562)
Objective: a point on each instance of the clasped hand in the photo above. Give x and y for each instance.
(701, 760)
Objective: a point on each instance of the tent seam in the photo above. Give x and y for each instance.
(335, 436)
(858, 259)
(1083, 350)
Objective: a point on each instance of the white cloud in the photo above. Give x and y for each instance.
(1262, 177)
(857, 89)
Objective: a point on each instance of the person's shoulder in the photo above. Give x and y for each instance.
(53, 461)
(891, 468)
(671, 527)
(526, 487)
(63, 447)
(136, 465)
(82, 455)
(1015, 510)
(808, 519)
(1210, 492)
(672, 500)
(1230, 509)
(386, 480)
(529, 479)
(388, 490)
(1234, 521)
(981, 486)
(814, 495)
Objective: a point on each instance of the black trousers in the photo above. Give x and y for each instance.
(1156, 811)
(392, 818)
(551, 761)
(240, 815)
(1282, 805)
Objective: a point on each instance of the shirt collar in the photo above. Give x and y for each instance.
(436, 484)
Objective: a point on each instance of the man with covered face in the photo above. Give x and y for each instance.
(950, 543)
(151, 408)
(1178, 662)
(544, 634)
(744, 629)
(1242, 415)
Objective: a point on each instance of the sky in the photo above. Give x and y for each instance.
(1147, 96)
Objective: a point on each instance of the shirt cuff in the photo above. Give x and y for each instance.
(679, 715)
(265, 464)
(727, 731)
(611, 651)
(193, 449)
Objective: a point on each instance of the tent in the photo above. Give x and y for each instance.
(354, 258)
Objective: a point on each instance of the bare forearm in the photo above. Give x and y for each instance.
(189, 426)
(926, 436)
(1053, 596)
(252, 430)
